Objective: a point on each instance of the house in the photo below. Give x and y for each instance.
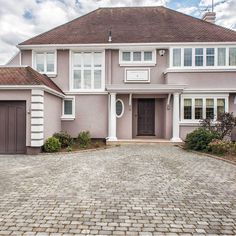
(121, 73)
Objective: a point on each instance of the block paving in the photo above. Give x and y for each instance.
(151, 189)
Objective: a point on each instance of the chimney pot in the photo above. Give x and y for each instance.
(209, 17)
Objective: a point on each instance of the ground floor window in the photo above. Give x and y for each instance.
(119, 108)
(195, 108)
(68, 108)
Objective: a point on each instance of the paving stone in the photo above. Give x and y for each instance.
(155, 189)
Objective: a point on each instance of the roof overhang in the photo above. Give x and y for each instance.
(103, 46)
(30, 87)
(145, 88)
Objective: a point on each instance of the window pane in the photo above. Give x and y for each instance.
(77, 59)
(87, 79)
(40, 62)
(188, 109)
(221, 56)
(68, 107)
(232, 56)
(50, 62)
(119, 108)
(220, 106)
(198, 109)
(97, 59)
(87, 59)
(210, 108)
(97, 79)
(210, 56)
(147, 56)
(188, 57)
(177, 57)
(126, 56)
(137, 56)
(77, 79)
(198, 56)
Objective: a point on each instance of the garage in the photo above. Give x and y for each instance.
(12, 127)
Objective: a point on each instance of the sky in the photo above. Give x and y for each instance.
(21, 20)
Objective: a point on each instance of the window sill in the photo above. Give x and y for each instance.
(189, 123)
(138, 64)
(66, 118)
(194, 69)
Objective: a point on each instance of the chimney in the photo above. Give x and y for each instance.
(209, 17)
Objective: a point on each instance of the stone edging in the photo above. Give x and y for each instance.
(75, 152)
(207, 154)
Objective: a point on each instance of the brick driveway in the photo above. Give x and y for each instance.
(134, 190)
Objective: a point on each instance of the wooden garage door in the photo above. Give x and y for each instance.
(12, 127)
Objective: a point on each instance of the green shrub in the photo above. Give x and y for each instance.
(199, 139)
(65, 139)
(84, 139)
(52, 145)
(69, 149)
(220, 147)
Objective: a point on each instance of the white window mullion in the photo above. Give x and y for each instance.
(92, 71)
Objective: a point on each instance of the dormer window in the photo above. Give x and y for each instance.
(138, 58)
(45, 62)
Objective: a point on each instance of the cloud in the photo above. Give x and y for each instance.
(20, 20)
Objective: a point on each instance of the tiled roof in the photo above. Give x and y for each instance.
(25, 76)
(134, 25)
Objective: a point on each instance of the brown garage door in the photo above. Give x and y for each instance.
(12, 127)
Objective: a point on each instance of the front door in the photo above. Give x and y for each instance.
(146, 117)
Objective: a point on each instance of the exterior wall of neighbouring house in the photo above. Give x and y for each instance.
(91, 114)
(52, 114)
(20, 95)
(15, 61)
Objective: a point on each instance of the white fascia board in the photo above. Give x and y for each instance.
(25, 87)
(119, 45)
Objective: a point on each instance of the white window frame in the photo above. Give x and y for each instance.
(137, 63)
(35, 52)
(82, 90)
(123, 108)
(66, 116)
(204, 67)
(203, 97)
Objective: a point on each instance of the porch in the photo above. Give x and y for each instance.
(143, 113)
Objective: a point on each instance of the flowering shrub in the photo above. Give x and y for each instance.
(220, 147)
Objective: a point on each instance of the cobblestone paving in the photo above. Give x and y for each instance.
(144, 190)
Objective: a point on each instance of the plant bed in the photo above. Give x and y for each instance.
(94, 144)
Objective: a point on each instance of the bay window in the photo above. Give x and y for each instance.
(196, 108)
(221, 56)
(210, 57)
(45, 62)
(203, 57)
(188, 57)
(198, 56)
(87, 71)
(177, 57)
(232, 56)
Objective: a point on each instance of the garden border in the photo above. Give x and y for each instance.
(207, 154)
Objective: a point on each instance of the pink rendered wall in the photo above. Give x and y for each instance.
(156, 73)
(26, 57)
(52, 114)
(21, 95)
(91, 113)
(203, 79)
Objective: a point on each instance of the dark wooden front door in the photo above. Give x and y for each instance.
(12, 127)
(146, 117)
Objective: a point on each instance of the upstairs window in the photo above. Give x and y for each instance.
(188, 57)
(221, 56)
(87, 71)
(137, 57)
(232, 56)
(210, 57)
(198, 56)
(177, 57)
(45, 62)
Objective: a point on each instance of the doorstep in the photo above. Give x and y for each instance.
(138, 140)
